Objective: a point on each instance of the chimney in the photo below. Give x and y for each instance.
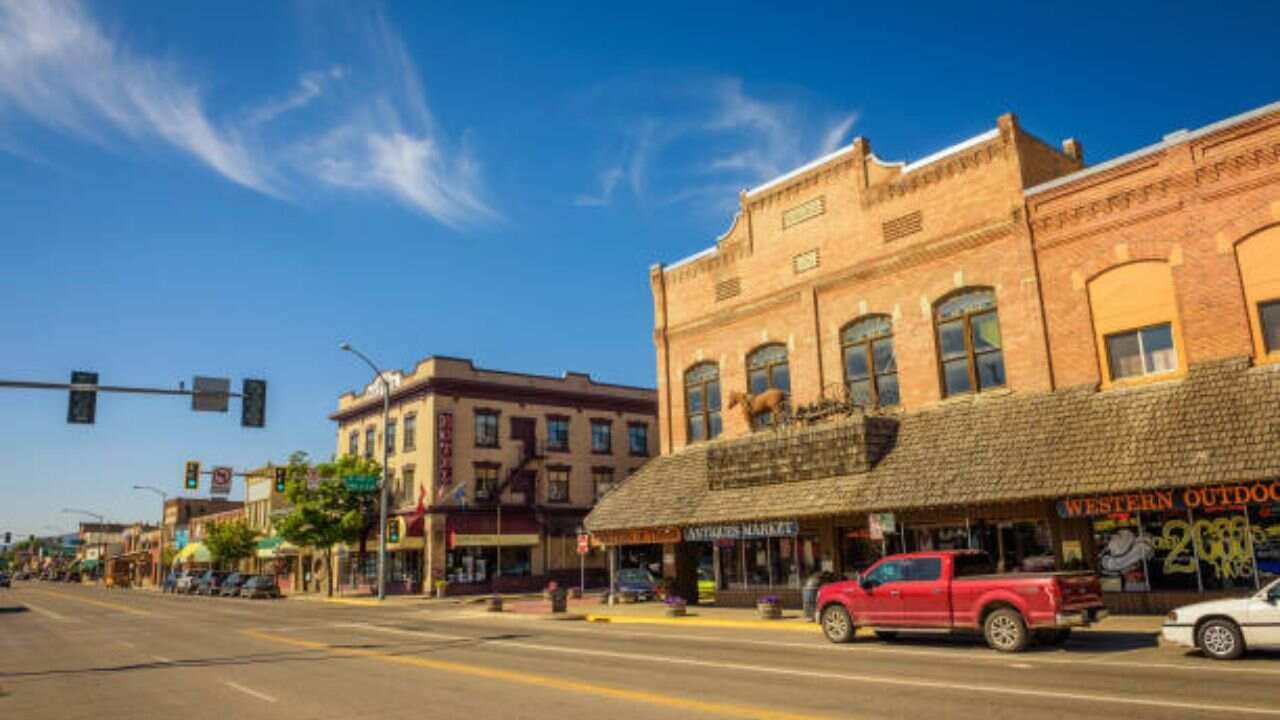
(1072, 148)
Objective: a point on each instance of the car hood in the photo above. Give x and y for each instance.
(1197, 610)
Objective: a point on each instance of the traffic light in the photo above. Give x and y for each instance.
(82, 405)
(193, 475)
(7, 538)
(282, 474)
(393, 531)
(253, 404)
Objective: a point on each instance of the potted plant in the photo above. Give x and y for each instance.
(441, 587)
(769, 607)
(675, 606)
(662, 588)
(494, 603)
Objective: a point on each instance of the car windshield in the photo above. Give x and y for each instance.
(633, 575)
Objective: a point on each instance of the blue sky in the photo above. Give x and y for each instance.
(234, 188)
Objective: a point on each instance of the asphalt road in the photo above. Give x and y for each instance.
(81, 652)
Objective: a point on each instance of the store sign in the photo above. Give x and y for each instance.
(741, 531)
(881, 524)
(639, 536)
(1159, 500)
(444, 453)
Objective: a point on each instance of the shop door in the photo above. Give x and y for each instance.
(525, 430)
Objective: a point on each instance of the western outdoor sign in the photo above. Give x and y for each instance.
(1180, 499)
(739, 531)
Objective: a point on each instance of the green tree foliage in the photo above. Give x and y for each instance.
(329, 514)
(230, 542)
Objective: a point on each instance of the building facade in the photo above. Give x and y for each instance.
(492, 472)
(991, 347)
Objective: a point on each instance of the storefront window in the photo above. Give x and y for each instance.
(479, 564)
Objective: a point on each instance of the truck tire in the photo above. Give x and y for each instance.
(836, 624)
(1053, 637)
(1005, 631)
(1220, 639)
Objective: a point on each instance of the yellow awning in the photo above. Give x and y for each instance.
(193, 553)
(461, 540)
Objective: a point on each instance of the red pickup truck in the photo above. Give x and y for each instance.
(958, 591)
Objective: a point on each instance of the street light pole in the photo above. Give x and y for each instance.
(382, 493)
(164, 500)
(102, 546)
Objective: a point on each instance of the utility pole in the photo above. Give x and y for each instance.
(164, 500)
(382, 493)
(102, 545)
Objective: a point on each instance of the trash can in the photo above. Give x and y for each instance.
(559, 600)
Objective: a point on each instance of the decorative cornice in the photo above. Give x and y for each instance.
(950, 167)
(724, 256)
(482, 390)
(1122, 201)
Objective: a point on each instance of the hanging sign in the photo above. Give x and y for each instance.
(444, 453)
(1160, 500)
(776, 528)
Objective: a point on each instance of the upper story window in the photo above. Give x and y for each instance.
(702, 401)
(410, 432)
(601, 437)
(558, 433)
(602, 479)
(486, 486)
(1135, 321)
(969, 350)
(870, 367)
(1258, 256)
(408, 484)
(558, 485)
(638, 439)
(486, 428)
(353, 443)
(1148, 351)
(767, 368)
(370, 437)
(391, 437)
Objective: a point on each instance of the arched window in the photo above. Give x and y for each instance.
(969, 351)
(702, 401)
(1259, 258)
(1134, 318)
(870, 367)
(767, 368)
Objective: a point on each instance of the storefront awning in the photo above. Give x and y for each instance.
(193, 553)
(504, 540)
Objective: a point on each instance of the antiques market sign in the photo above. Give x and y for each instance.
(741, 531)
(1183, 499)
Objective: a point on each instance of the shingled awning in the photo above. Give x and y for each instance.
(1220, 424)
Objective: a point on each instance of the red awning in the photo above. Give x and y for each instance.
(485, 522)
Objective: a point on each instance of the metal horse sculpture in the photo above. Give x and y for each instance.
(772, 401)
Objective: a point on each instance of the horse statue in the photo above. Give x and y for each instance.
(772, 401)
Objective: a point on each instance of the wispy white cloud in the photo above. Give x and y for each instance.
(715, 139)
(61, 69)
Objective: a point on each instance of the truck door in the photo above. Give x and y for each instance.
(880, 601)
(925, 601)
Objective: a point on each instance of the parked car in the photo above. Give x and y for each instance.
(210, 582)
(71, 577)
(4, 580)
(956, 591)
(260, 586)
(170, 581)
(706, 584)
(186, 582)
(1225, 629)
(636, 582)
(231, 585)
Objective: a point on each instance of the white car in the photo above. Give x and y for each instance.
(1223, 629)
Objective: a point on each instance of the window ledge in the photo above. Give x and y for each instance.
(1144, 381)
(975, 397)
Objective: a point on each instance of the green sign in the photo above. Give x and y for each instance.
(361, 483)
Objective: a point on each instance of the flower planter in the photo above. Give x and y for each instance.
(769, 611)
(494, 603)
(627, 597)
(675, 611)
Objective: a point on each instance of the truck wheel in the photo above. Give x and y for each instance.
(887, 635)
(1053, 637)
(836, 624)
(1005, 631)
(1221, 640)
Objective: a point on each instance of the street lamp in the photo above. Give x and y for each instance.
(102, 545)
(382, 494)
(164, 500)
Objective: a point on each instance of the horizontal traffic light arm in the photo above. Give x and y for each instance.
(31, 385)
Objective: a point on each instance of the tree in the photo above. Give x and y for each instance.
(331, 513)
(230, 542)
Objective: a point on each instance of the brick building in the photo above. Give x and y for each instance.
(492, 472)
(973, 347)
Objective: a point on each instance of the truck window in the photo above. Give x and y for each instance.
(973, 564)
(885, 573)
(922, 569)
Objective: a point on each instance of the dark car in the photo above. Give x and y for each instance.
(230, 586)
(4, 580)
(170, 581)
(260, 586)
(210, 582)
(635, 582)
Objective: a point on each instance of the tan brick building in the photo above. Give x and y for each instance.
(492, 467)
(1002, 342)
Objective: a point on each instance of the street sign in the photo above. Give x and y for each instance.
(82, 404)
(584, 543)
(361, 483)
(221, 482)
(313, 478)
(210, 394)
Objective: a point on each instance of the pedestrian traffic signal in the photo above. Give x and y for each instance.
(253, 404)
(193, 475)
(282, 474)
(82, 405)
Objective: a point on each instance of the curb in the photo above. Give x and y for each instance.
(810, 628)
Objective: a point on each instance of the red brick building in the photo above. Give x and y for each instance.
(989, 344)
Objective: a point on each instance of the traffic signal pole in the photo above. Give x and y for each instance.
(205, 396)
(382, 495)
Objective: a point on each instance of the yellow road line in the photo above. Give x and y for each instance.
(545, 681)
(810, 628)
(99, 603)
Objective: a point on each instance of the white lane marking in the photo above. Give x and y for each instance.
(48, 613)
(853, 677)
(161, 658)
(248, 691)
(1076, 659)
(125, 643)
(1020, 666)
